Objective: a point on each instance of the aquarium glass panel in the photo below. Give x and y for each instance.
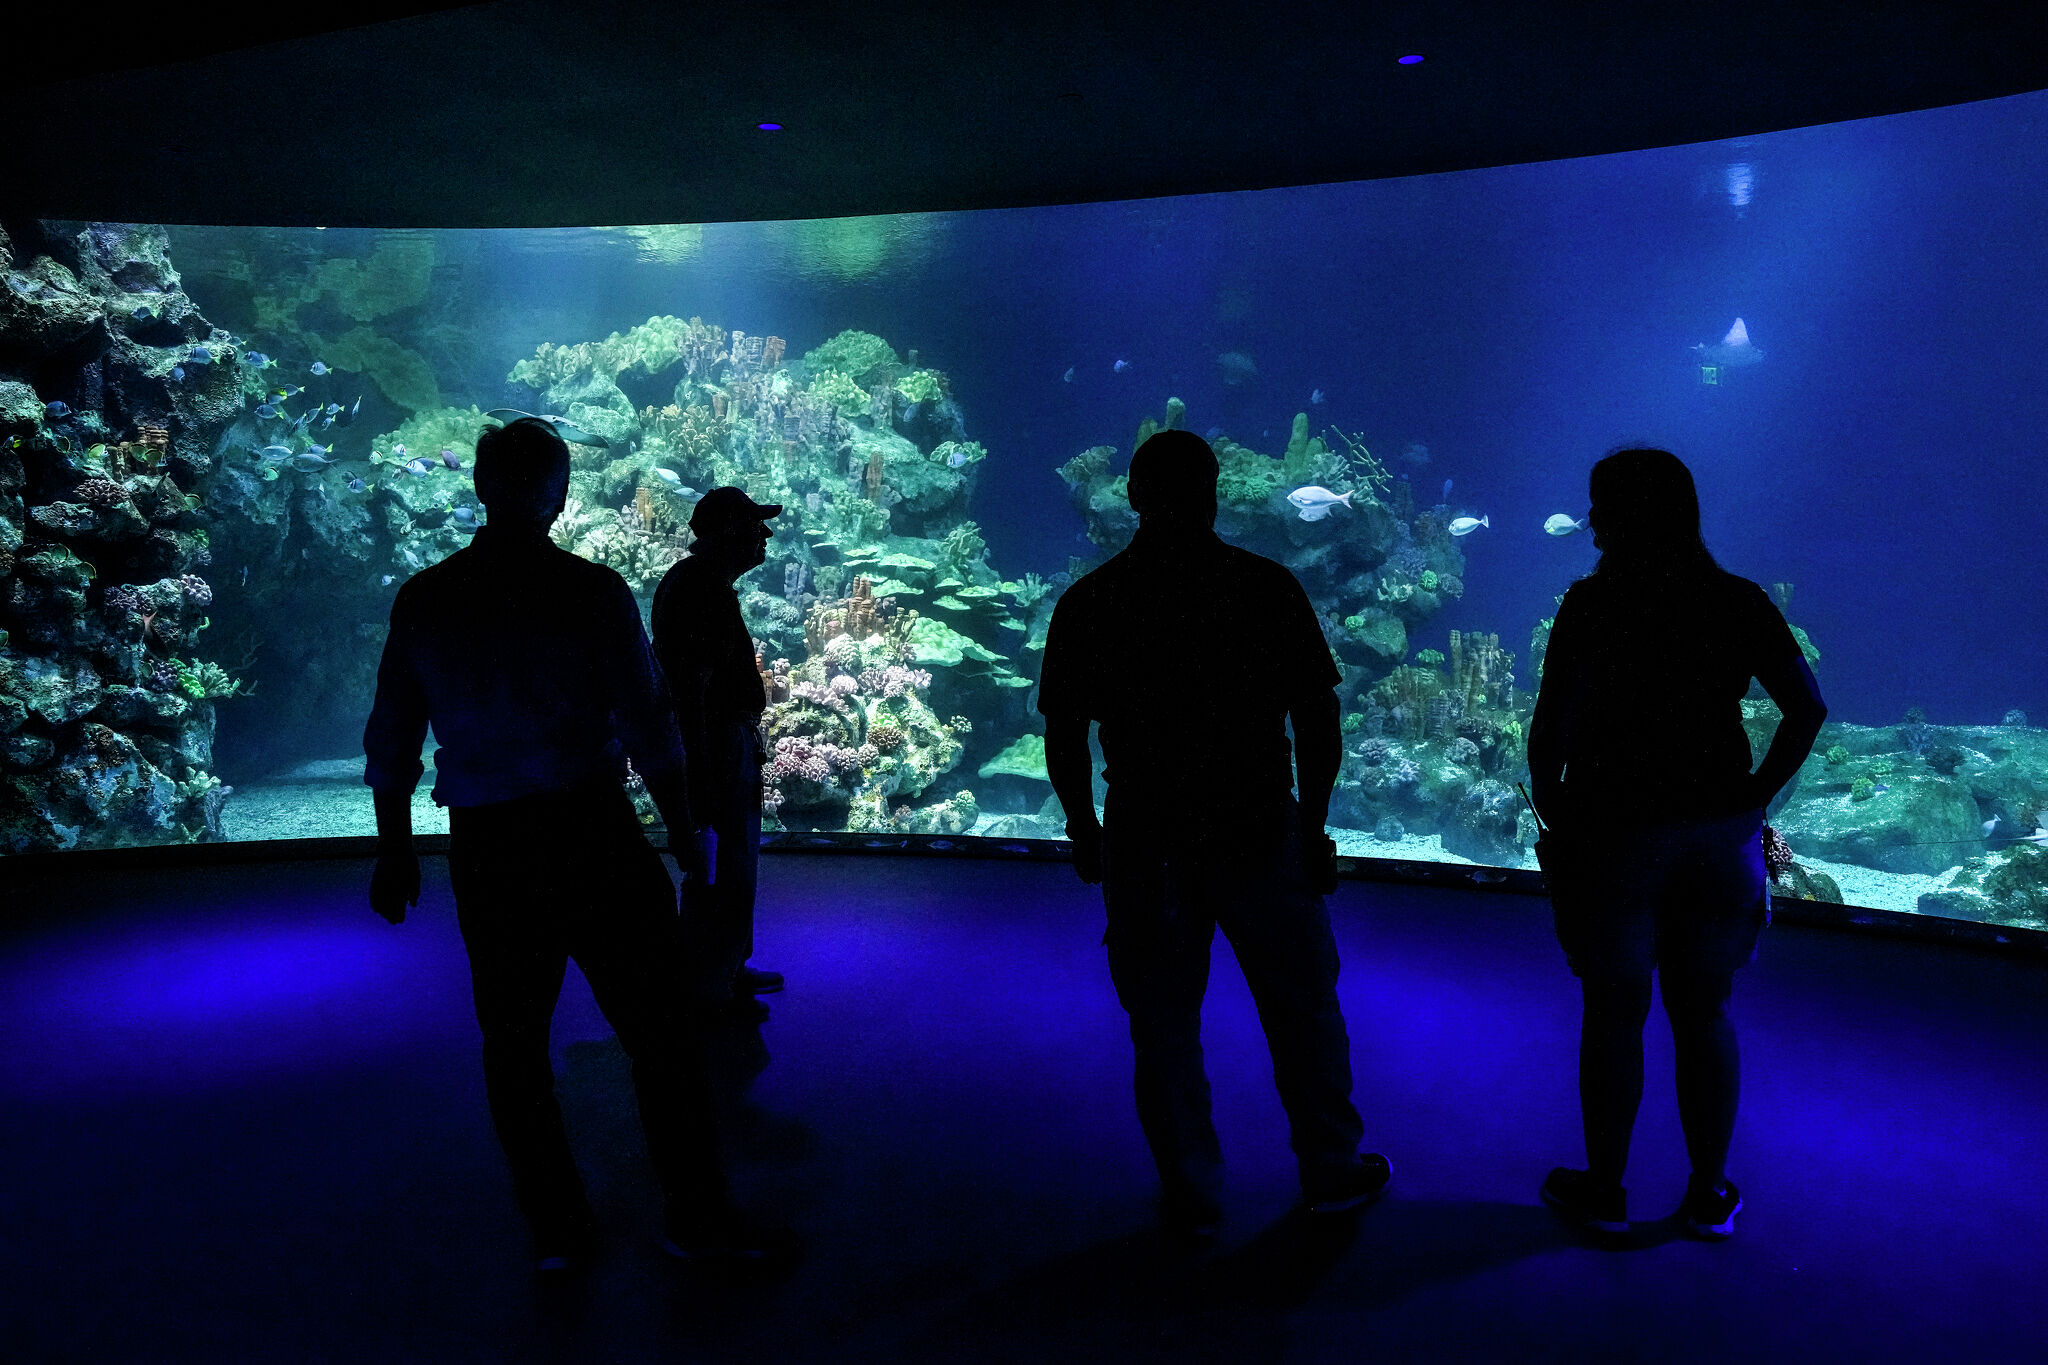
(223, 450)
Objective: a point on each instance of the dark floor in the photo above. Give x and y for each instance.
(241, 1120)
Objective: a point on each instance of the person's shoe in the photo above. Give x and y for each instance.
(1349, 1187)
(1585, 1204)
(754, 981)
(1190, 1216)
(1710, 1210)
(722, 1235)
(564, 1248)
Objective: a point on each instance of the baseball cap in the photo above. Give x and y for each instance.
(725, 506)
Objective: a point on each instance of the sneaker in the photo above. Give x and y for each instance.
(566, 1248)
(1710, 1210)
(1585, 1204)
(1350, 1187)
(754, 981)
(1190, 1216)
(722, 1235)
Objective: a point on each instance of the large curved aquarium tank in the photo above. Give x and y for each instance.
(222, 449)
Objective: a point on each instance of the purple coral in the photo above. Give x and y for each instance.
(197, 590)
(102, 493)
(1375, 750)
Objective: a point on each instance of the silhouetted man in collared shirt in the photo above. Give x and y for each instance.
(1193, 656)
(532, 668)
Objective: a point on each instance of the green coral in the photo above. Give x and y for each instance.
(922, 386)
(836, 388)
(1806, 646)
(1429, 658)
(402, 375)
(1024, 758)
(201, 680)
(1429, 580)
(1862, 789)
(856, 354)
(1353, 722)
(1836, 755)
(972, 452)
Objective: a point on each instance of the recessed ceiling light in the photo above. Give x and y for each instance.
(1410, 60)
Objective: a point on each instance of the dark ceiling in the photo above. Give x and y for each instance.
(526, 113)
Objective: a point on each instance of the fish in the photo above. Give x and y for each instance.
(276, 452)
(450, 458)
(1238, 368)
(1315, 396)
(317, 367)
(326, 422)
(143, 314)
(956, 459)
(1558, 524)
(57, 411)
(266, 410)
(389, 579)
(356, 485)
(1068, 377)
(199, 355)
(1121, 365)
(669, 477)
(331, 409)
(464, 516)
(290, 391)
(245, 575)
(178, 373)
(2039, 836)
(398, 451)
(308, 460)
(1315, 501)
(1465, 526)
(417, 465)
(412, 560)
(564, 428)
(300, 424)
(1447, 491)
(355, 408)
(318, 450)
(258, 359)
(1990, 825)
(1732, 351)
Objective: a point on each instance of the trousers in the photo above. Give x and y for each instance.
(718, 919)
(539, 881)
(1166, 891)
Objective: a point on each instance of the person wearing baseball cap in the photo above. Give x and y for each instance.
(707, 654)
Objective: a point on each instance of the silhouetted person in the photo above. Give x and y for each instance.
(1642, 771)
(532, 668)
(707, 655)
(1192, 655)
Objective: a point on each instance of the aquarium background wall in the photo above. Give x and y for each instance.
(223, 449)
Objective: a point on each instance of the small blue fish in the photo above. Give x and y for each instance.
(450, 458)
(465, 516)
(1316, 396)
(669, 477)
(318, 450)
(326, 422)
(266, 410)
(956, 459)
(1447, 490)
(311, 459)
(318, 367)
(418, 466)
(1068, 377)
(276, 452)
(355, 408)
(398, 451)
(290, 391)
(356, 485)
(57, 411)
(1121, 366)
(144, 314)
(389, 579)
(200, 355)
(178, 373)
(258, 359)
(1465, 526)
(331, 409)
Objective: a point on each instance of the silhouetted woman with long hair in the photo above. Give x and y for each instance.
(1641, 769)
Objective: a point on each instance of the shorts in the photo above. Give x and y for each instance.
(1687, 897)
